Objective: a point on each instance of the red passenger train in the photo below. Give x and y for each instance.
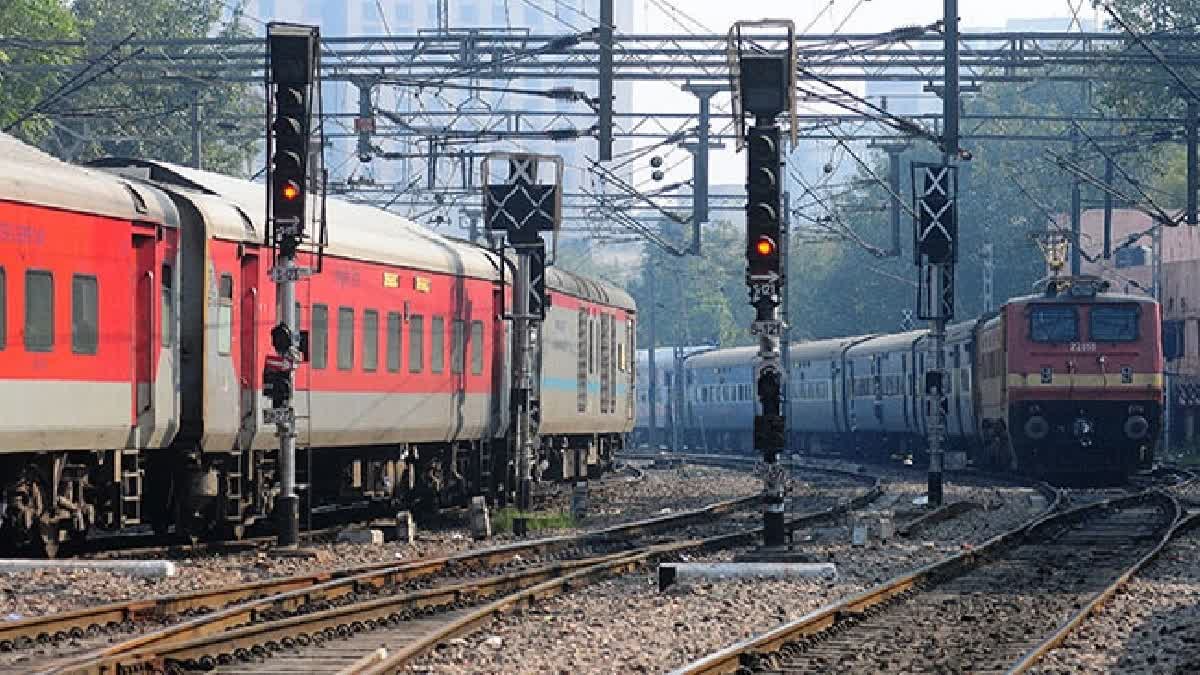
(135, 307)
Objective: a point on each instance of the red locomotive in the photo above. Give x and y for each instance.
(135, 308)
(1070, 382)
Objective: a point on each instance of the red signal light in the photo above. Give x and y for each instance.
(765, 246)
(290, 191)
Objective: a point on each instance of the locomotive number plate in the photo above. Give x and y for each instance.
(1083, 347)
(278, 416)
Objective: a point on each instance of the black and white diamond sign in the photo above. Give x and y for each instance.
(935, 188)
(521, 209)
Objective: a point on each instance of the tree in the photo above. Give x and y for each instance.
(24, 97)
(113, 116)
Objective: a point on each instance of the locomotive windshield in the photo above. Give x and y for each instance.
(1053, 323)
(1114, 323)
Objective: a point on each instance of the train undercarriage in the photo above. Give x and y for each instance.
(53, 499)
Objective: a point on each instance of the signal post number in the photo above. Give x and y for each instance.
(772, 329)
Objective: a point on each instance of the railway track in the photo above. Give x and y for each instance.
(992, 609)
(340, 622)
(145, 545)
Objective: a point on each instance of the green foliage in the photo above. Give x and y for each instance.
(116, 113)
(21, 93)
(694, 300)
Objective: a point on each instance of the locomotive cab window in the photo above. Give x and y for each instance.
(225, 314)
(1113, 323)
(85, 314)
(39, 311)
(1053, 323)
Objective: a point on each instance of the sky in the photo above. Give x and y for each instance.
(825, 16)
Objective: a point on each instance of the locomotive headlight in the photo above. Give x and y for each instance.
(1136, 428)
(1037, 427)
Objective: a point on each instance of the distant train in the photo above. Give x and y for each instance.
(1068, 384)
(135, 307)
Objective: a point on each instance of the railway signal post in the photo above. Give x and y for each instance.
(520, 210)
(935, 251)
(292, 54)
(763, 82)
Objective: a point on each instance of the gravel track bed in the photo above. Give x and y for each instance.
(626, 625)
(1152, 625)
(615, 501)
(42, 592)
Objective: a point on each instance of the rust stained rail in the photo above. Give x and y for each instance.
(292, 592)
(1096, 604)
(730, 659)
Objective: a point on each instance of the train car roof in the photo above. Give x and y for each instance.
(1101, 298)
(31, 176)
(723, 358)
(355, 231)
(888, 342)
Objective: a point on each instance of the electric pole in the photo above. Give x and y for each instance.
(292, 54)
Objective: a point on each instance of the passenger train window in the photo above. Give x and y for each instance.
(458, 347)
(319, 340)
(39, 311)
(370, 345)
(345, 338)
(1113, 323)
(1051, 323)
(168, 306)
(3, 309)
(437, 346)
(416, 343)
(225, 314)
(395, 339)
(85, 314)
(476, 347)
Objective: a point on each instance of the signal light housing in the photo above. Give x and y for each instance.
(292, 71)
(763, 187)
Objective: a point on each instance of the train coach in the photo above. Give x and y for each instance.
(1066, 384)
(135, 308)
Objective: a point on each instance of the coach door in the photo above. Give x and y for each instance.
(142, 330)
(250, 332)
